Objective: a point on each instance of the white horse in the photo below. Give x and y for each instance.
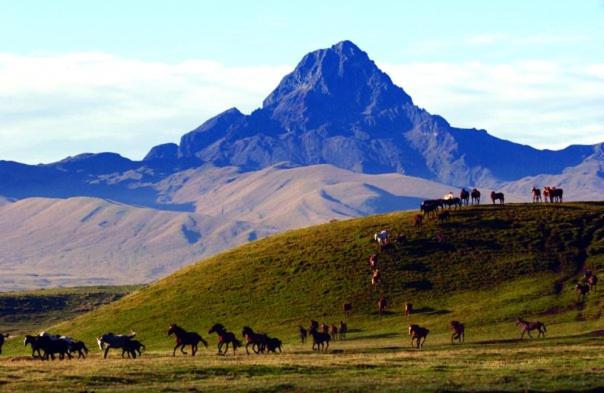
(382, 237)
(114, 341)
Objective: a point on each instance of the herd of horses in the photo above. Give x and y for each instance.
(435, 207)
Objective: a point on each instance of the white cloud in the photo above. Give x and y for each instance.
(55, 105)
(541, 103)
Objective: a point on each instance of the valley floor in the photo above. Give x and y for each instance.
(362, 363)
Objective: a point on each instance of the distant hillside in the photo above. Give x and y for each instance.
(89, 241)
(490, 265)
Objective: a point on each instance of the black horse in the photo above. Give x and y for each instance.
(36, 345)
(475, 196)
(464, 195)
(184, 338)
(133, 348)
(497, 196)
(320, 340)
(258, 341)
(225, 337)
(3, 337)
(80, 348)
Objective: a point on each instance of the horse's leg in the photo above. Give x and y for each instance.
(193, 349)
(175, 348)
(182, 348)
(522, 334)
(106, 352)
(246, 348)
(528, 331)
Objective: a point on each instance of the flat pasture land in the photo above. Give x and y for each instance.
(363, 363)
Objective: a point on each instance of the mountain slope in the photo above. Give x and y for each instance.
(82, 241)
(492, 264)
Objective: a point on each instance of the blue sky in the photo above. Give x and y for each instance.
(125, 75)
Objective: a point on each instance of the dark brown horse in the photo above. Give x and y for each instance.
(342, 330)
(592, 281)
(536, 193)
(225, 338)
(80, 348)
(273, 344)
(458, 332)
(320, 340)
(464, 195)
(527, 327)
(475, 194)
(382, 303)
(418, 335)
(418, 220)
(302, 333)
(497, 196)
(184, 338)
(3, 337)
(347, 307)
(582, 289)
(256, 340)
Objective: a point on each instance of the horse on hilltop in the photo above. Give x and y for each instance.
(536, 193)
(475, 194)
(497, 196)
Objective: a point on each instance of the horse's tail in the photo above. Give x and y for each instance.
(84, 348)
(204, 342)
(143, 347)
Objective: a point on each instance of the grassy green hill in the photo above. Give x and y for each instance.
(493, 264)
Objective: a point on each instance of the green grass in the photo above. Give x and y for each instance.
(495, 263)
(32, 311)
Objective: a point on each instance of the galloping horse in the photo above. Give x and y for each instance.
(458, 332)
(2, 339)
(114, 341)
(527, 327)
(464, 195)
(225, 337)
(36, 345)
(475, 196)
(258, 341)
(320, 340)
(184, 338)
(418, 334)
(536, 193)
(497, 196)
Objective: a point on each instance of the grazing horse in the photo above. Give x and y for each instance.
(382, 303)
(475, 194)
(464, 195)
(536, 193)
(582, 289)
(303, 333)
(343, 330)
(347, 307)
(418, 220)
(114, 341)
(373, 260)
(3, 337)
(418, 334)
(592, 281)
(225, 337)
(376, 277)
(184, 338)
(497, 196)
(430, 206)
(333, 332)
(443, 217)
(382, 237)
(458, 331)
(553, 194)
(527, 327)
(408, 309)
(320, 340)
(258, 341)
